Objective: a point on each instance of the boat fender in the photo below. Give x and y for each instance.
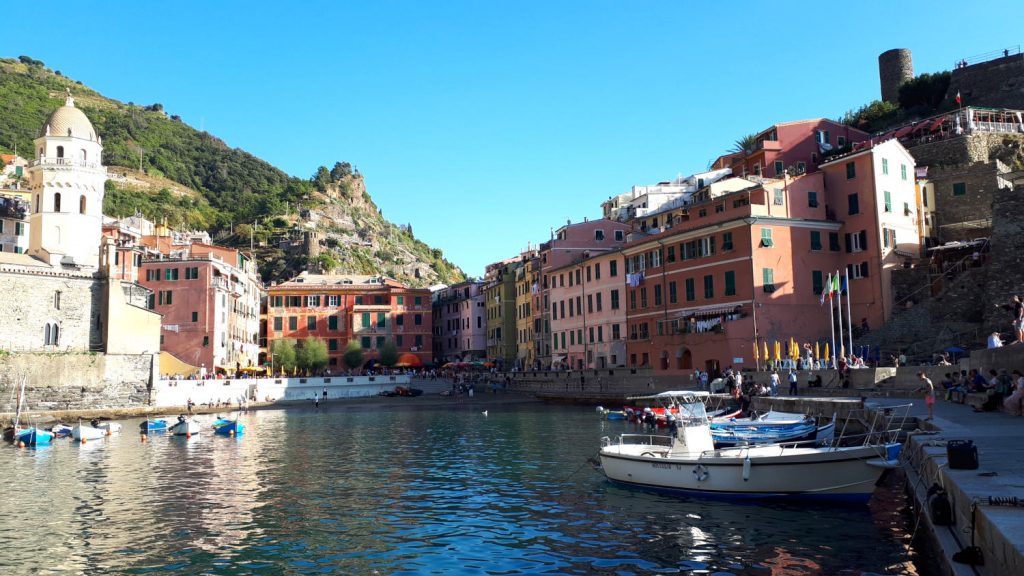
(700, 472)
(746, 468)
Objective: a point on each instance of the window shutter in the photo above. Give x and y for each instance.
(849, 242)
(864, 269)
(863, 239)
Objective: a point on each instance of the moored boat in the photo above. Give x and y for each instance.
(185, 427)
(159, 425)
(61, 430)
(228, 427)
(33, 436)
(84, 432)
(688, 462)
(769, 428)
(109, 427)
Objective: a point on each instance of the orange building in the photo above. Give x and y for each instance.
(338, 308)
(750, 264)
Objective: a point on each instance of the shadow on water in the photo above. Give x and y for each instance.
(440, 490)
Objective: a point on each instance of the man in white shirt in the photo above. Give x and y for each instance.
(994, 341)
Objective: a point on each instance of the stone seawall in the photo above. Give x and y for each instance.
(76, 381)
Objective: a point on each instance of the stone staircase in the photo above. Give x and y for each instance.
(952, 318)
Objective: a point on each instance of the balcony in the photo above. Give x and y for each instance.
(69, 162)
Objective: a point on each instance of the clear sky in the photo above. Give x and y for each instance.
(485, 124)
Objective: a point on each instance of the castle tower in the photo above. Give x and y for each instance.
(66, 179)
(894, 68)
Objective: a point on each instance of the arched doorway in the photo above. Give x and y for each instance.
(663, 360)
(684, 358)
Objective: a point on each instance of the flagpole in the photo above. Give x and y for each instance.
(832, 324)
(849, 320)
(839, 305)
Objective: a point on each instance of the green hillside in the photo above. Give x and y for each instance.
(230, 185)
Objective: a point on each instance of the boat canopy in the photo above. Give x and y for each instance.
(683, 395)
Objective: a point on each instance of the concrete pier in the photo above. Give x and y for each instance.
(998, 530)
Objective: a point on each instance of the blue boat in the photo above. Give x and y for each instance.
(153, 426)
(61, 430)
(770, 430)
(33, 437)
(226, 427)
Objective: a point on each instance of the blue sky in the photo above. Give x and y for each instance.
(487, 124)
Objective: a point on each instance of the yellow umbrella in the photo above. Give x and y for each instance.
(794, 351)
(766, 355)
(756, 357)
(817, 351)
(827, 356)
(778, 351)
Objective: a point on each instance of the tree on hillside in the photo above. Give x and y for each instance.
(312, 354)
(340, 170)
(322, 178)
(872, 117)
(926, 91)
(283, 354)
(745, 145)
(353, 357)
(389, 354)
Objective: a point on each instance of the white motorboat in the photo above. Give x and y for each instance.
(185, 427)
(85, 432)
(689, 462)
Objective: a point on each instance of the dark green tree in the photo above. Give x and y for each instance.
(283, 354)
(340, 170)
(353, 357)
(389, 354)
(311, 354)
(322, 178)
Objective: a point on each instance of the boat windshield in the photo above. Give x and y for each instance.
(692, 414)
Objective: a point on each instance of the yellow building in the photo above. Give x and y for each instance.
(526, 282)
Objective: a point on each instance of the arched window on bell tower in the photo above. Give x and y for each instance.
(83, 156)
(56, 202)
(81, 204)
(60, 151)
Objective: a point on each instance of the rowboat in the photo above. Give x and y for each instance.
(185, 427)
(228, 427)
(688, 461)
(33, 436)
(153, 426)
(109, 427)
(61, 430)
(771, 427)
(84, 432)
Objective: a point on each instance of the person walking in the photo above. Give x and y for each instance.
(929, 394)
(792, 383)
(773, 381)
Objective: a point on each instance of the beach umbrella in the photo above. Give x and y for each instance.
(794, 352)
(756, 356)
(766, 355)
(827, 355)
(817, 350)
(778, 351)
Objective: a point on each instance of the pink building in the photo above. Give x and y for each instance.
(571, 243)
(800, 146)
(588, 316)
(209, 297)
(749, 262)
(460, 322)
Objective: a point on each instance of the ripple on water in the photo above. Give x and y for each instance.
(402, 492)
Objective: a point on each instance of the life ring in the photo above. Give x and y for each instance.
(700, 472)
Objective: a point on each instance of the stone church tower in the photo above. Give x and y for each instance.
(66, 180)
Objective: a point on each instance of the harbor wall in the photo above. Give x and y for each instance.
(167, 393)
(75, 381)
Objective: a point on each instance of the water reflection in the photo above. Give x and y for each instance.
(403, 491)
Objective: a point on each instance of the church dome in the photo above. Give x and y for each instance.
(69, 121)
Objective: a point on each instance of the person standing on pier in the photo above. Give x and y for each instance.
(929, 394)
(792, 382)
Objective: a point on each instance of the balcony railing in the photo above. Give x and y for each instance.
(54, 161)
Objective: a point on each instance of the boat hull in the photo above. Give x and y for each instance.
(847, 474)
(228, 427)
(87, 432)
(186, 428)
(153, 426)
(34, 437)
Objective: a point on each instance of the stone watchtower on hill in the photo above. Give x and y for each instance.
(894, 68)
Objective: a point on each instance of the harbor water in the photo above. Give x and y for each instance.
(401, 488)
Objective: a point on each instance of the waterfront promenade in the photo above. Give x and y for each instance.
(999, 530)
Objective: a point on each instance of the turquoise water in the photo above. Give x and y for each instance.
(395, 489)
